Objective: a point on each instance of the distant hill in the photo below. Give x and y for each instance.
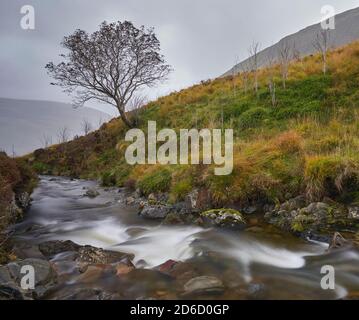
(24, 123)
(346, 31)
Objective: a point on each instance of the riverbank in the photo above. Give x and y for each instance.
(17, 181)
(309, 220)
(295, 162)
(70, 220)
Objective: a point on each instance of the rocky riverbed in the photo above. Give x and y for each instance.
(87, 242)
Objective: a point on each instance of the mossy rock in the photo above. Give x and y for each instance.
(224, 217)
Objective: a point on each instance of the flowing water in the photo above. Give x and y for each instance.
(277, 264)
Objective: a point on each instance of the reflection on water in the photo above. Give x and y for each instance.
(289, 267)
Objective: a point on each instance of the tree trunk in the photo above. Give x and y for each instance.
(123, 115)
(325, 63)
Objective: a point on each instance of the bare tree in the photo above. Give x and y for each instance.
(234, 73)
(296, 52)
(285, 55)
(13, 151)
(322, 44)
(110, 65)
(63, 135)
(135, 106)
(46, 140)
(86, 126)
(245, 72)
(271, 62)
(253, 52)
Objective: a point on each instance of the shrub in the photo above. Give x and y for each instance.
(330, 176)
(157, 181)
(40, 167)
(252, 117)
(220, 188)
(289, 142)
(108, 179)
(180, 190)
(326, 144)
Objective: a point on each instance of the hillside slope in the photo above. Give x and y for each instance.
(306, 144)
(346, 31)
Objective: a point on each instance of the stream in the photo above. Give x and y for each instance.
(261, 263)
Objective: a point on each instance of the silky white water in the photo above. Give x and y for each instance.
(61, 212)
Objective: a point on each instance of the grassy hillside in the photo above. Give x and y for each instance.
(306, 144)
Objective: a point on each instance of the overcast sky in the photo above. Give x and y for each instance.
(199, 38)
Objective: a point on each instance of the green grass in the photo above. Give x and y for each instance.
(280, 150)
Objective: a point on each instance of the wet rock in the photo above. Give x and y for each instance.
(51, 248)
(154, 277)
(224, 217)
(166, 267)
(314, 220)
(94, 272)
(183, 272)
(338, 242)
(191, 199)
(10, 279)
(199, 222)
(250, 210)
(353, 213)
(24, 251)
(84, 294)
(294, 204)
(317, 208)
(203, 285)
(141, 264)
(23, 200)
(144, 283)
(9, 290)
(90, 255)
(152, 198)
(83, 255)
(162, 197)
(15, 212)
(91, 193)
(10, 293)
(256, 291)
(142, 204)
(181, 208)
(124, 267)
(130, 201)
(5, 276)
(44, 272)
(198, 199)
(155, 212)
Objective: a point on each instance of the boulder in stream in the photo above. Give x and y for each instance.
(203, 285)
(51, 248)
(155, 212)
(11, 276)
(90, 255)
(224, 217)
(91, 193)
